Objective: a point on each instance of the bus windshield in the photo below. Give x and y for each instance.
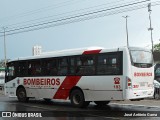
(141, 58)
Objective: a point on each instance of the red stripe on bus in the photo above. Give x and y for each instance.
(67, 84)
(70, 81)
(91, 52)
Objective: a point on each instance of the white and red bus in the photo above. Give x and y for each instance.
(83, 75)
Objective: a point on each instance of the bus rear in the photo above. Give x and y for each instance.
(139, 83)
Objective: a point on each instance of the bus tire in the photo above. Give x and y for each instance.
(101, 103)
(77, 99)
(21, 95)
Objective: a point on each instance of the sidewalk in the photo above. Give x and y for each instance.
(145, 102)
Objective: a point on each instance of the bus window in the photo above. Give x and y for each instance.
(63, 66)
(52, 67)
(22, 69)
(10, 72)
(142, 59)
(109, 64)
(72, 66)
(85, 65)
(34, 68)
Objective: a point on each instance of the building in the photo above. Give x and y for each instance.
(36, 50)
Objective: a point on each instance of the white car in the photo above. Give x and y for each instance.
(156, 84)
(157, 89)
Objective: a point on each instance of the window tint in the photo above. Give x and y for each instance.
(22, 69)
(49, 67)
(109, 64)
(63, 66)
(72, 66)
(85, 65)
(10, 72)
(34, 68)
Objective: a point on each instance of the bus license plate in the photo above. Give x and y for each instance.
(144, 92)
(142, 84)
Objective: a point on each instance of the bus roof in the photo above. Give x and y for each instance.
(70, 52)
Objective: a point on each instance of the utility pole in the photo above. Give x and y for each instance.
(5, 53)
(126, 29)
(150, 29)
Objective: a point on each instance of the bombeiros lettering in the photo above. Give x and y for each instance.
(41, 81)
(142, 74)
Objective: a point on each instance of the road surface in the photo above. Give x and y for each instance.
(60, 110)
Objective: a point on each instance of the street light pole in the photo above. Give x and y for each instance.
(150, 29)
(127, 29)
(5, 53)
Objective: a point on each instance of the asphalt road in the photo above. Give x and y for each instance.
(146, 109)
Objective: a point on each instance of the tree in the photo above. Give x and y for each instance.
(2, 63)
(157, 47)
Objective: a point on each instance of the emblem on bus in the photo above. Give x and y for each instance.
(117, 80)
(117, 83)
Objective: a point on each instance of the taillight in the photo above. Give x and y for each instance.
(129, 83)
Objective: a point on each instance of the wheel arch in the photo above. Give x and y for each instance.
(20, 86)
(76, 88)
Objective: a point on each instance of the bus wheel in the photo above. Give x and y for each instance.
(21, 95)
(101, 103)
(77, 99)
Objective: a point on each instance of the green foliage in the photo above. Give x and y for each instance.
(2, 62)
(157, 47)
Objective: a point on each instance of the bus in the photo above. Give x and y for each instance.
(82, 76)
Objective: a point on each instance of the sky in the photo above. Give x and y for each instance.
(107, 31)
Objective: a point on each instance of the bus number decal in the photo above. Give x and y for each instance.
(135, 86)
(117, 83)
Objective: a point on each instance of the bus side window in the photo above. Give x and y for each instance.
(45, 67)
(34, 68)
(53, 67)
(11, 71)
(49, 67)
(109, 64)
(72, 66)
(85, 65)
(22, 69)
(101, 65)
(63, 66)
